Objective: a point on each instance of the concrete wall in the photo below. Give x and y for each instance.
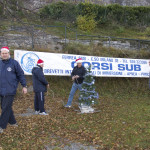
(54, 43)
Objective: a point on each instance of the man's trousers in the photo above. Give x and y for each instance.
(7, 115)
(39, 100)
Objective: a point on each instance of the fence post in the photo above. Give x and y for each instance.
(32, 36)
(76, 36)
(139, 45)
(105, 12)
(65, 34)
(124, 16)
(109, 42)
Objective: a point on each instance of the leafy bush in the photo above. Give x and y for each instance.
(14, 6)
(53, 10)
(44, 12)
(60, 10)
(115, 12)
(87, 9)
(139, 16)
(86, 23)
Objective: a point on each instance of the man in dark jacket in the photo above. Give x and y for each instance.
(10, 74)
(40, 87)
(77, 75)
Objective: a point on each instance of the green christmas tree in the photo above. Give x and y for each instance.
(88, 96)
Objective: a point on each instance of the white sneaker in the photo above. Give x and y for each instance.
(1, 130)
(43, 113)
(37, 112)
(14, 125)
(67, 106)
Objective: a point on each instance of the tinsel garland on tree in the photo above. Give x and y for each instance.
(88, 95)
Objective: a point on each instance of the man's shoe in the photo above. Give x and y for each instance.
(37, 112)
(67, 106)
(14, 125)
(43, 113)
(1, 130)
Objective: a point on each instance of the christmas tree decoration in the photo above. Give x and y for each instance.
(88, 96)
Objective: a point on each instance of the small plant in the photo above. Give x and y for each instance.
(86, 23)
(147, 31)
(120, 30)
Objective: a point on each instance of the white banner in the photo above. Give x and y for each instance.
(62, 64)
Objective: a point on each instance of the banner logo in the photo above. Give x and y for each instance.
(28, 61)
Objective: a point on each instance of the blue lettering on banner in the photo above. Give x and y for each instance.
(105, 66)
(132, 73)
(68, 57)
(132, 61)
(96, 65)
(53, 71)
(73, 64)
(106, 59)
(145, 74)
(68, 71)
(121, 67)
(141, 62)
(98, 72)
(83, 58)
(94, 72)
(125, 61)
(111, 73)
(129, 67)
(116, 60)
(137, 67)
(138, 61)
(95, 58)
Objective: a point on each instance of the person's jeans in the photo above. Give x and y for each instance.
(74, 88)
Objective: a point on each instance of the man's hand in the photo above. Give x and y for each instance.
(47, 85)
(73, 78)
(24, 90)
(77, 76)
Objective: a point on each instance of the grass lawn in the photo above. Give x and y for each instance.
(122, 123)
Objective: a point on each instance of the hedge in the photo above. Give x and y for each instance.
(139, 16)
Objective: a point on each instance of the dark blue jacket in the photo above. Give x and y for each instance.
(10, 75)
(39, 81)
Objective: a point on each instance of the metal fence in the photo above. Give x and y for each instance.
(55, 37)
(33, 36)
(116, 42)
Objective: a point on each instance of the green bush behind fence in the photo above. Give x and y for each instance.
(115, 13)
